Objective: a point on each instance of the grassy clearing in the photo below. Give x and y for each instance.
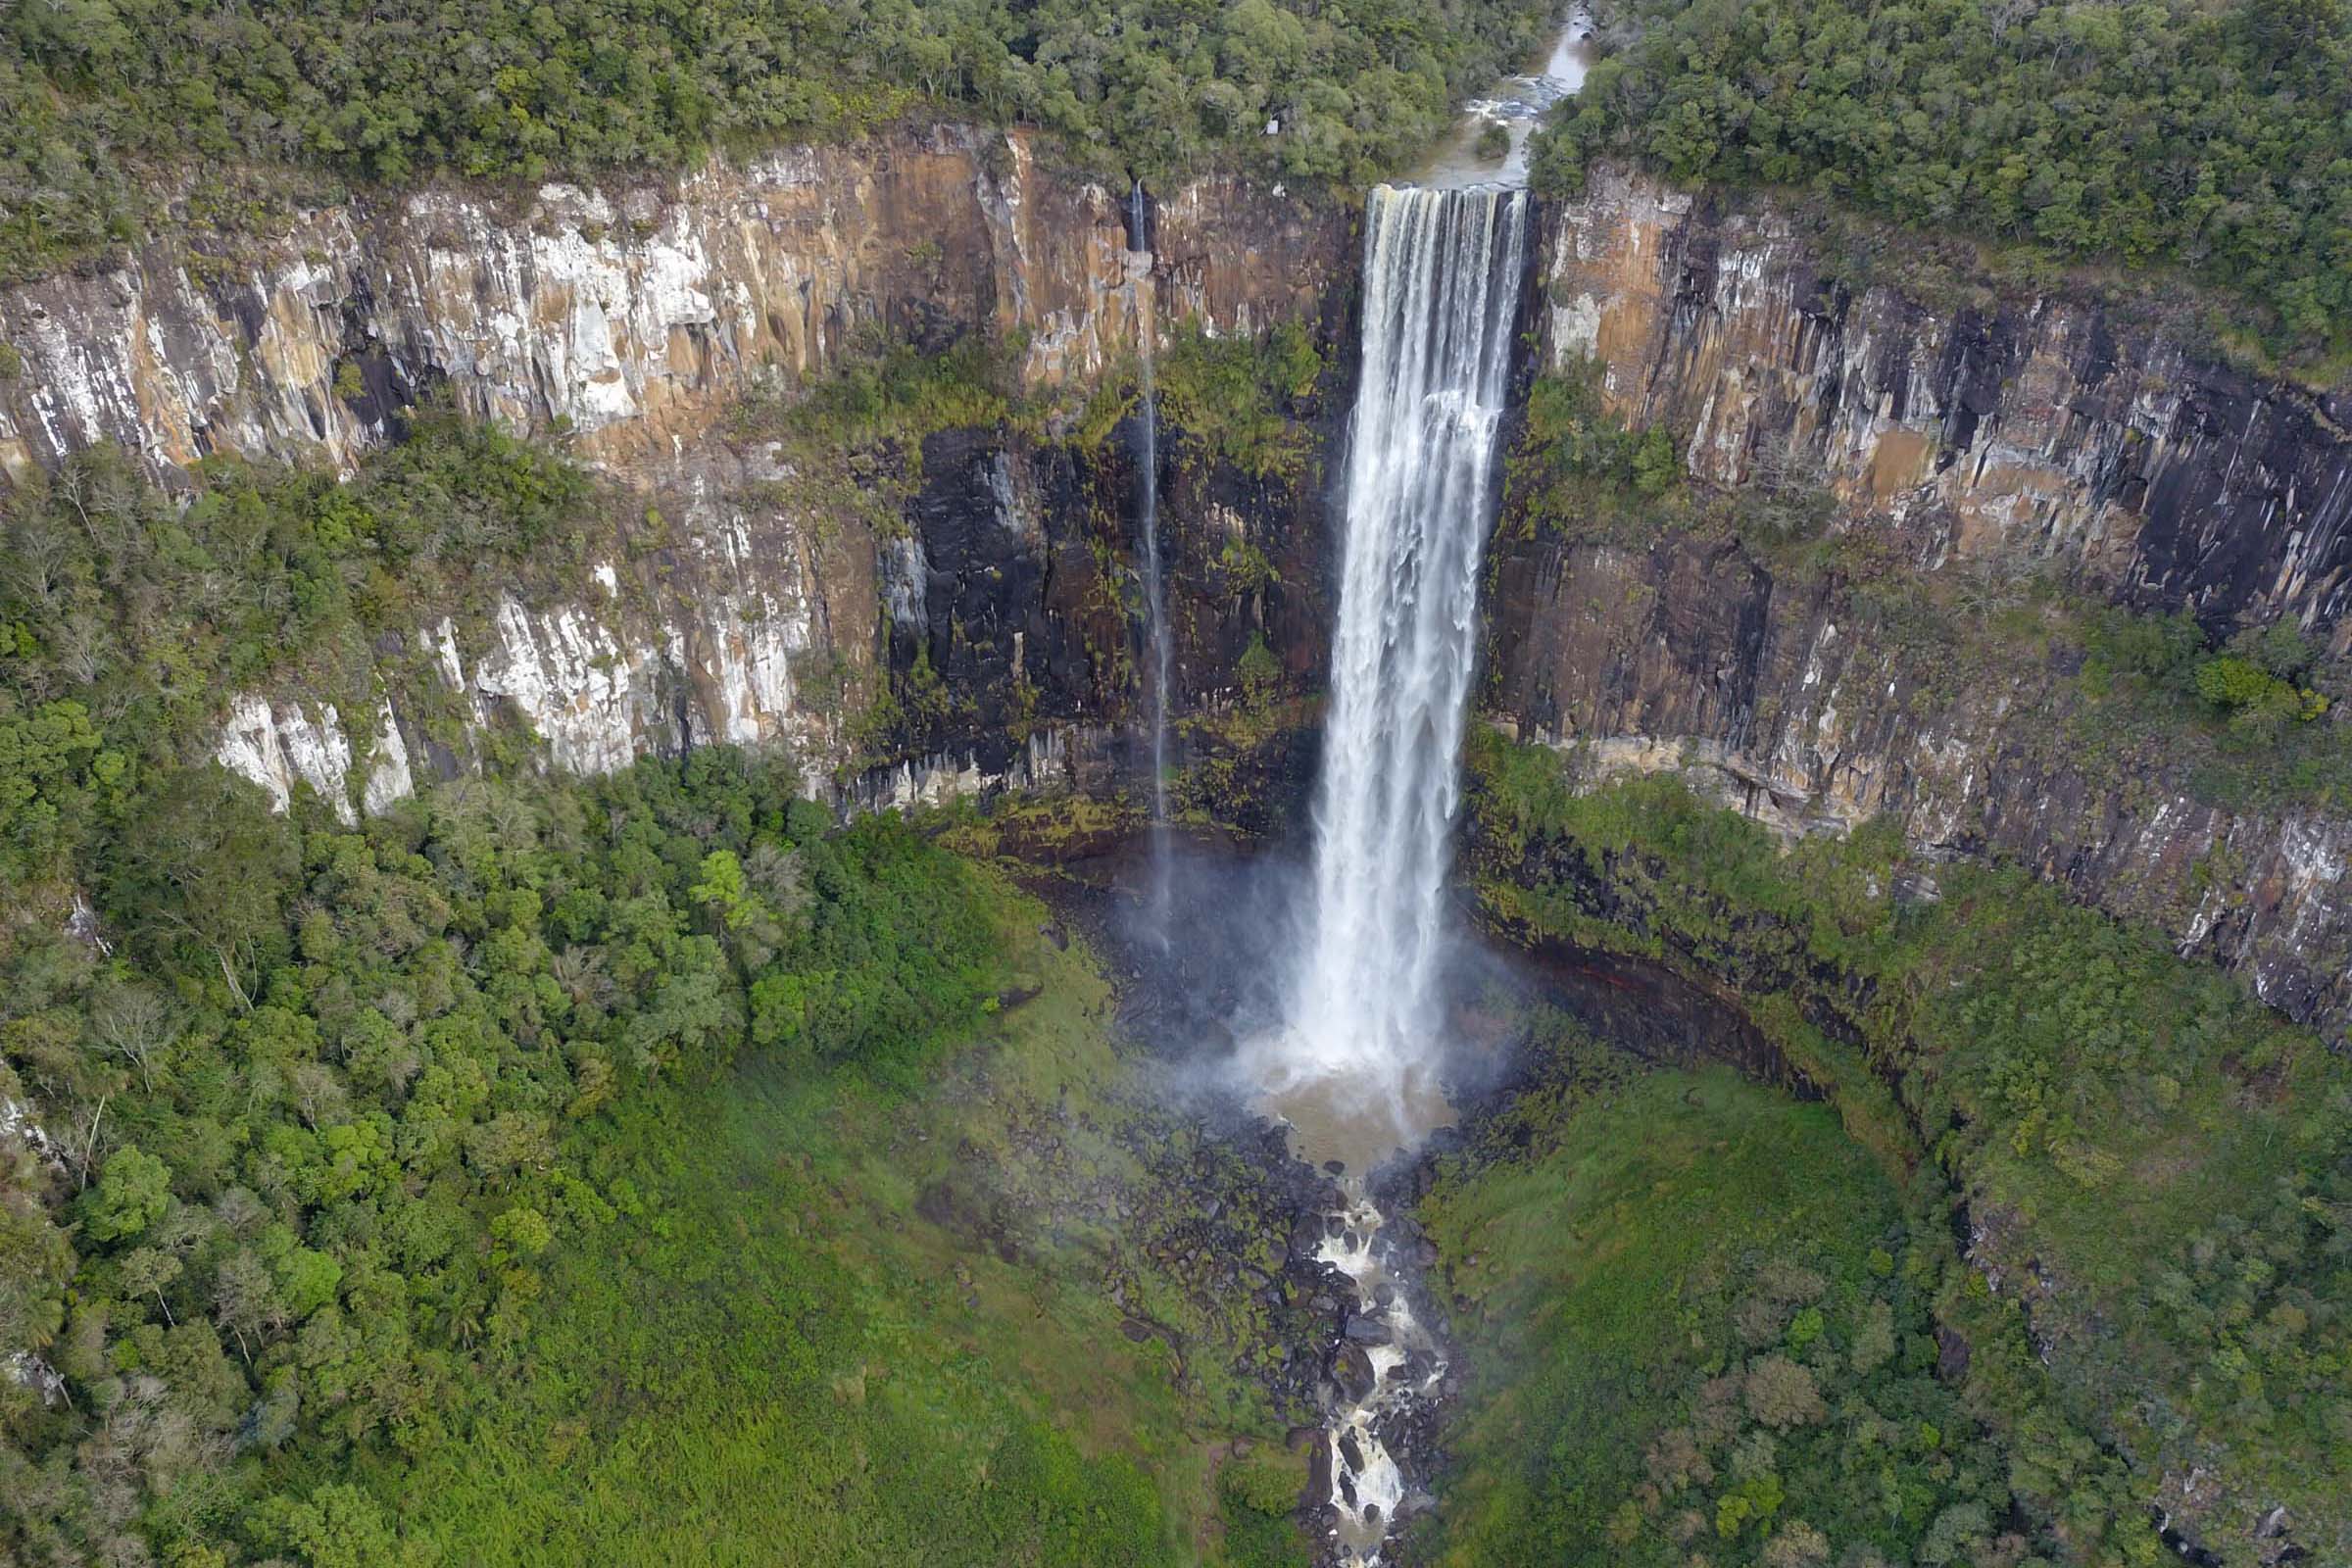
(2152, 1171)
(1696, 1321)
(779, 1355)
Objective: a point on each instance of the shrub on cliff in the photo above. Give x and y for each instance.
(1235, 398)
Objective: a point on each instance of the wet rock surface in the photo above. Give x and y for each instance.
(2012, 435)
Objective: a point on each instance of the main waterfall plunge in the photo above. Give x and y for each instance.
(1357, 1048)
(1355, 1063)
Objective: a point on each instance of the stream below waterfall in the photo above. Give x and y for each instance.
(1386, 1359)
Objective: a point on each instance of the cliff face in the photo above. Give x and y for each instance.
(632, 316)
(2034, 428)
(1959, 446)
(998, 600)
(632, 321)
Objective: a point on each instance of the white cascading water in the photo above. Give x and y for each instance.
(1155, 610)
(1355, 1066)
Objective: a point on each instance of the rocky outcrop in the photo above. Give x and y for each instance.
(632, 316)
(633, 321)
(712, 635)
(2026, 429)
(986, 636)
(281, 748)
(1960, 448)
(1797, 705)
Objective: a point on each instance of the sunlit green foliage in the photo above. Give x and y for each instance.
(338, 1097)
(772, 1356)
(2254, 684)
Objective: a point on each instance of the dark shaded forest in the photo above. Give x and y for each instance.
(2215, 138)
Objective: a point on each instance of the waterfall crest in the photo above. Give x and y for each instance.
(1442, 279)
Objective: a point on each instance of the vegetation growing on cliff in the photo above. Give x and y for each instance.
(2152, 1170)
(529, 1176)
(128, 617)
(857, 433)
(98, 95)
(2215, 137)
(1238, 398)
(2247, 721)
(1574, 469)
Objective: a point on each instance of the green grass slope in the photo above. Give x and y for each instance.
(1698, 1328)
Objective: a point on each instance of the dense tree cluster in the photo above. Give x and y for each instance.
(312, 1121)
(127, 617)
(289, 1115)
(91, 89)
(2217, 137)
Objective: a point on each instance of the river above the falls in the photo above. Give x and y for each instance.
(1518, 105)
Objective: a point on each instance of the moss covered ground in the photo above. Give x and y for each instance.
(842, 1325)
(2143, 1177)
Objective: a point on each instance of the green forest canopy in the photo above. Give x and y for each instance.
(2214, 136)
(91, 90)
(332, 1096)
(293, 1165)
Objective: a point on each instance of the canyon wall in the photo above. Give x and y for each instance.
(1964, 447)
(632, 322)
(996, 599)
(2024, 428)
(630, 317)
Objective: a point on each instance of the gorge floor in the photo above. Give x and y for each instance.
(1384, 1381)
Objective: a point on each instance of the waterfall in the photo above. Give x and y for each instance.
(1354, 1065)
(1442, 277)
(1155, 610)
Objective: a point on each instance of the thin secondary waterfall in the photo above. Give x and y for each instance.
(1356, 1066)
(1155, 610)
(1442, 278)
